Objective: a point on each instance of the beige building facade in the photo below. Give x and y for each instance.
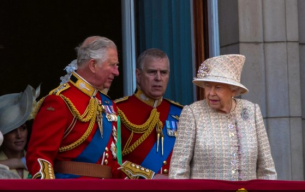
(271, 34)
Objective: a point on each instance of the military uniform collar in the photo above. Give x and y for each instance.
(83, 85)
(149, 101)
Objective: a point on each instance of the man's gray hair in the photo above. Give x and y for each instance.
(94, 49)
(149, 55)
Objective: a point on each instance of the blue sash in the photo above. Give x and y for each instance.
(154, 160)
(95, 149)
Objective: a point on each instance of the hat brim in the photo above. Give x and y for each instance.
(241, 88)
(17, 110)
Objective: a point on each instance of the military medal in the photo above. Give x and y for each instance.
(113, 150)
(171, 127)
(110, 114)
(111, 117)
(114, 133)
(113, 146)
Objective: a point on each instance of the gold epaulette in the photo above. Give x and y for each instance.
(134, 171)
(55, 91)
(174, 103)
(37, 107)
(59, 89)
(121, 99)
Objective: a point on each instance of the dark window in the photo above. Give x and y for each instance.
(37, 39)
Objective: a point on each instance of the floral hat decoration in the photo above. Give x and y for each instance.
(69, 69)
(222, 69)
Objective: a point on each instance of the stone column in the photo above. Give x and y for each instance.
(301, 16)
(266, 32)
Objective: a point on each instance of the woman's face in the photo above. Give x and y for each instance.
(219, 96)
(15, 140)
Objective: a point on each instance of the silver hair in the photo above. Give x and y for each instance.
(233, 88)
(95, 49)
(150, 54)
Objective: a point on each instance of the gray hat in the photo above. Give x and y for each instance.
(16, 108)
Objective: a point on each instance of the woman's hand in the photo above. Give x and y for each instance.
(13, 163)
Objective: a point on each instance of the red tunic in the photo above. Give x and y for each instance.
(50, 128)
(137, 112)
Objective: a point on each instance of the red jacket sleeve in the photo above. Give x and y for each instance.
(47, 132)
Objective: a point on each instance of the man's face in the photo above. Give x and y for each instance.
(153, 78)
(15, 140)
(107, 70)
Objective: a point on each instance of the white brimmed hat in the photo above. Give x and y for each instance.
(16, 108)
(222, 69)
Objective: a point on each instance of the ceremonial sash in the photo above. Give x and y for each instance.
(154, 160)
(95, 149)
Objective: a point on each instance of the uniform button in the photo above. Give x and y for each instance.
(165, 171)
(147, 170)
(106, 155)
(106, 149)
(106, 161)
(132, 165)
(164, 162)
(142, 169)
(137, 166)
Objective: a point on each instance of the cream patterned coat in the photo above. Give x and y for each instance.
(213, 145)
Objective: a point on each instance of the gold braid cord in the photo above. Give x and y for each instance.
(146, 128)
(88, 115)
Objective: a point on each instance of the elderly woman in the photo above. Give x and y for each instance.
(222, 137)
(15, 110)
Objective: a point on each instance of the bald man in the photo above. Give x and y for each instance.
(75, 133)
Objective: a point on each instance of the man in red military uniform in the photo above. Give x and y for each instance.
(149, 122)
(75, 132)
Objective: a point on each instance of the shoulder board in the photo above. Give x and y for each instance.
(121, 99)
(59, 89)
(174, 103)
